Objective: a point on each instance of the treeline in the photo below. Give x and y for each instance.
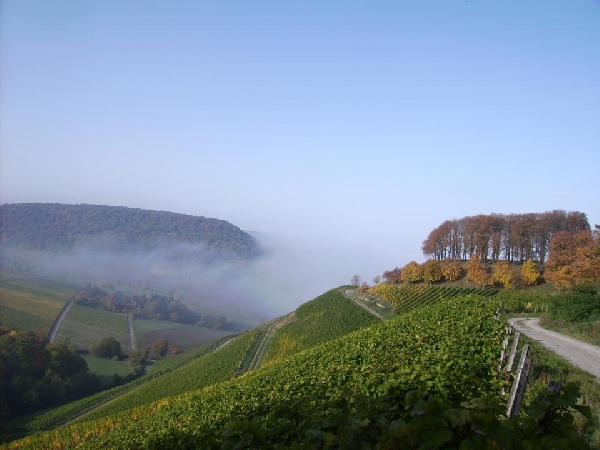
(153, 306)
(573, 259)
(513, 237)
(36, 374)
(43, 226)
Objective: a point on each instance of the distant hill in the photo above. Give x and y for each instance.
(61, 227)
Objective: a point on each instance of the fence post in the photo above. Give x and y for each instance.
(513, 351)
(518, 387)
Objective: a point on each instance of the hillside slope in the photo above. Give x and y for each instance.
(60, 227)
(329, 394)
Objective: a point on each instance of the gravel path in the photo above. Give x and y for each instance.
(351, 296)
(58, 322)
(583, 355)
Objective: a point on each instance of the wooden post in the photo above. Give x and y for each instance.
(513, 351)
(518, 387)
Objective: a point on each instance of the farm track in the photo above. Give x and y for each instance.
(351, 296)
(583, 355)
(262, 348)
(132, 345)
(58, 321)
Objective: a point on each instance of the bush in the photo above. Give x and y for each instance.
(580, 305)
(108, 348)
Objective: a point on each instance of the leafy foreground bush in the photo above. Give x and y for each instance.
(427, 379)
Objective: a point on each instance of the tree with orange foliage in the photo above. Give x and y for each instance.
(572, 260)
(476, 272)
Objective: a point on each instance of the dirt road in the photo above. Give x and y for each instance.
(583, 355)
(58, 322)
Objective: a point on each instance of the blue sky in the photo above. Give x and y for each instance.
(355, 127)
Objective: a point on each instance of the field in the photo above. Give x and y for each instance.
(31, 304)
(105, 369)
(179, 335)
(85, 326)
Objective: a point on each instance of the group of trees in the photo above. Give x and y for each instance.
(501, 273)
(54, 227)
(36, 374)
(513, 237)
(154, 306)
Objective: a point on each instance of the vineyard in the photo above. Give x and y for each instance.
(209, 369)
(31, 304)
(406, 298)
(327, 317)
(84, 326)
(431, 360)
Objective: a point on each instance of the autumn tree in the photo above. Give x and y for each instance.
(377, 279)
(529, 273)
(572, 260)
(451, 270)
(503, 274)
(392, 275)
(476, 272)
(432, 271)
(363, 288)
(356, 281)
(412, 273)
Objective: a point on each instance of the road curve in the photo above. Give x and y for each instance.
(583, 355)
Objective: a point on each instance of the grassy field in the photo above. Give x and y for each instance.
(105, 369)
(85, 326)
(31, 304)
(179, 335)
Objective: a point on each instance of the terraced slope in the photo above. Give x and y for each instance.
(405, 298)
(343, 391)
(327, 317)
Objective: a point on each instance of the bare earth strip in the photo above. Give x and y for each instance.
(350, 295)
(58, 322)
(131, 334)
(583, 355)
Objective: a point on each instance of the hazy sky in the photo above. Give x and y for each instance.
(355, 126)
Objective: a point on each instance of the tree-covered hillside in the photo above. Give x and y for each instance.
(59, 227)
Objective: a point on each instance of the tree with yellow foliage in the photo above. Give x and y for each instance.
(503, 274)
(529, 273)
(451, 270)
(432, 271)
(412, 273)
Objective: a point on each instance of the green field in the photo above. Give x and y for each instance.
(31, 304)
(85, 326)
(179, 335)
(105, 369)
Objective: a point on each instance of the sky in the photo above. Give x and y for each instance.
(345, 130)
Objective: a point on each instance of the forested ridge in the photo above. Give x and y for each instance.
(59, 227)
